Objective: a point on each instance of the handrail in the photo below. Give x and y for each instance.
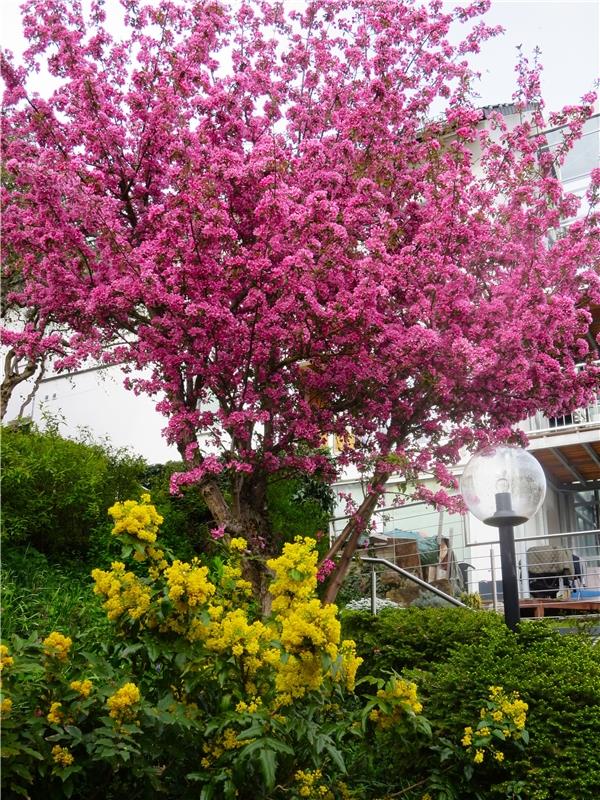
(410, 576)
(537, 538)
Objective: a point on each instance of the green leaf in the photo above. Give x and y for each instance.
(295, 574)
(268, 766)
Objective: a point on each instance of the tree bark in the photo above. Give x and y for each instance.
(349, 537)
(12, 377)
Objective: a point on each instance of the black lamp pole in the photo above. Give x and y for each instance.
(505, 519)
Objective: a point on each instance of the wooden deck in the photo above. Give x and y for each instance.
(540, 605)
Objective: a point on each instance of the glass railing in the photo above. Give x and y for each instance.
(580, 418)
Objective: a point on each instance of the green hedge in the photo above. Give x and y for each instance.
(55, 491)
(455, 655)
(415, 637)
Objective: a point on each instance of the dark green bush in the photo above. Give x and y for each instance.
(187, 520)
(55, 491)
(559, 677)
(398, 639)
(455, 655)
(299, 507)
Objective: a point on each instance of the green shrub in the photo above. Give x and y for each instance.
(559, 677)
(399, 639)
(187, 520)
(55, 491)
(455, 655)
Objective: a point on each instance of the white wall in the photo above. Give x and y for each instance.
(96, 399)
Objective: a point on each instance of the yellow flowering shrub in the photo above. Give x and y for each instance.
(57, 646)
(199, 686)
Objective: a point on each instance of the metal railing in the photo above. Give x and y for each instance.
(559, 567)
(580, 418)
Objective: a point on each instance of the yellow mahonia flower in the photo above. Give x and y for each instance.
(188, 583)
(478, 757)
(83, 687)
(140, 520)
(5, 659)
(499, 755)
(310, 786)
(62, 756)
(121, 703)
(125, 593)
(6, 707)
(57, 646)
(295, 574)
(401, 696)
(55, 715)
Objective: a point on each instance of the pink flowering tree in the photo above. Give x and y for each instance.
(278, 217)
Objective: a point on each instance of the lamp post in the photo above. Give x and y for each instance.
(504, 486)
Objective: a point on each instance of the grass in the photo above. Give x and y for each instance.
(39, 596)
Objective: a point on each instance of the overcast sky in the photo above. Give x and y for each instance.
(567, 31)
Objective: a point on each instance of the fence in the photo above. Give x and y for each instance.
(561, 568)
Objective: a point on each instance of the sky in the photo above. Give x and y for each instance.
(566, 31)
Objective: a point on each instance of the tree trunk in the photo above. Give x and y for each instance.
(250, 509)
(350, 535)
(12, 377)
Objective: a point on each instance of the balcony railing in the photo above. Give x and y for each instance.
(580, 418)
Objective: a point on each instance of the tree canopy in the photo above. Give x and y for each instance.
(262, 208)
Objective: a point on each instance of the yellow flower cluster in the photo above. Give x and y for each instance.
(140, 520)
(235, 590)
(5, 707)
(510, 707)
(239, 544)
(83, 687)
(310, 626)
(400, 696)
(188, 584)
(249, 708)
(349, 664)
(124, 592)
(502, 719)
(55, 715)
(236, 633)
(62, 756)
(310, 785)
(57, 646)
(121, 703)
(226, 741)
(308, 629)
(5, 659)
(295, 574)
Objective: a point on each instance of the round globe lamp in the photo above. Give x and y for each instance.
(504, 486)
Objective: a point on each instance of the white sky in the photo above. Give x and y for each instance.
(567, 31)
